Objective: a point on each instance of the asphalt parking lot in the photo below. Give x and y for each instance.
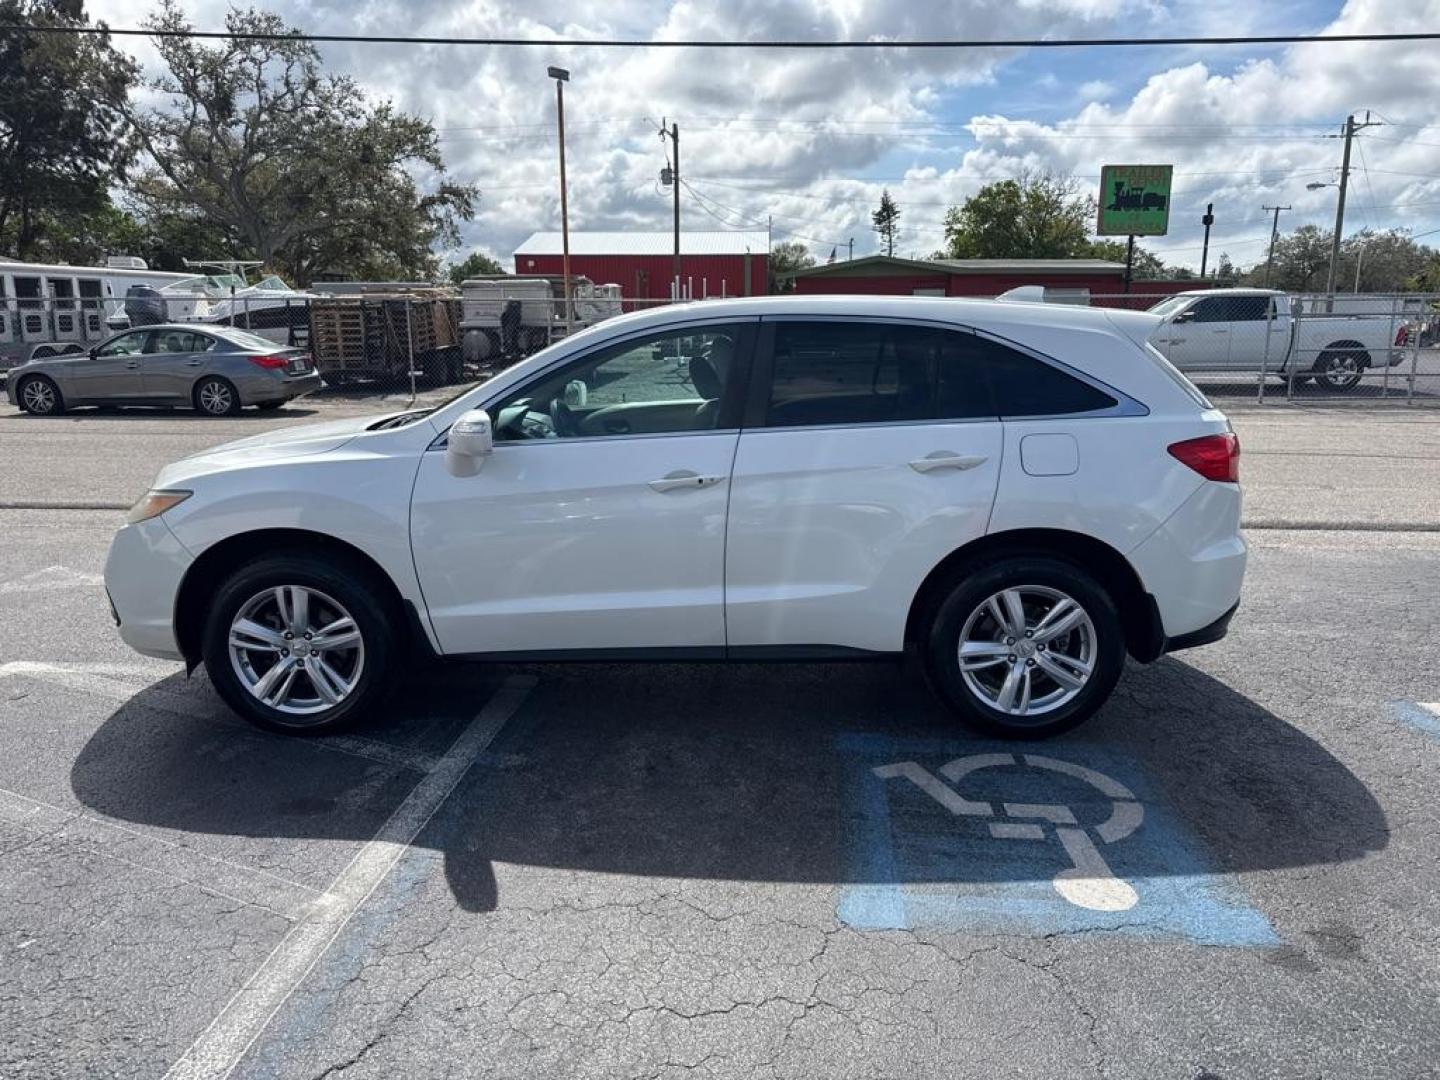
(690, 870)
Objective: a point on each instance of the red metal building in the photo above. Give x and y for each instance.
(711, 263)
(1077, 280)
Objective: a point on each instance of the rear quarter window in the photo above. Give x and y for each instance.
(1021, 385)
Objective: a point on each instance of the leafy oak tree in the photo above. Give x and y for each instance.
(295, 163)
(63, 139)
(476, 264)
(1033, 217)
(785, 258)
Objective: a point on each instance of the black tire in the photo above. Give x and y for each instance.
(47, 399)
(966, 596)
(215, 396)
(349, 584)
(1340, 370)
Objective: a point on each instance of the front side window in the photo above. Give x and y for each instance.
(131, 344)
(666, 382)
(1213, 309)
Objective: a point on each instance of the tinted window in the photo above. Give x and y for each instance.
(673, 381)
(859, 373)
(1212, 309)
(1249, 308)
(1025, 386)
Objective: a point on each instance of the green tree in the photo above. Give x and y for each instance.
(1144, 266)
(294, 163)
(62, 132)
(1034, 217)
(1301, 261)
(1385, 260)
(885, 221)
(1225, 269)
(785, 258)
(475, 265)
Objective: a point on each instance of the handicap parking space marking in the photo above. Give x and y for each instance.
(1421, 716)
(985, 837)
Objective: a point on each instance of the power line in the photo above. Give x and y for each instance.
(871, 44)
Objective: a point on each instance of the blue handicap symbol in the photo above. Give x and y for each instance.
(994, 838)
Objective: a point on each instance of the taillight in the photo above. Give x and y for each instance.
(1215, 457)
(270, 362)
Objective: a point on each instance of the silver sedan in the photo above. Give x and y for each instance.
(217, 370)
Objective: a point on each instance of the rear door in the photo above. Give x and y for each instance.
(174, 361)
(1258, 337)
(870, 451)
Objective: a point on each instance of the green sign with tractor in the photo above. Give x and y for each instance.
(1134, 200)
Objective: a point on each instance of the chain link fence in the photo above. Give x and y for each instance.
(385, 338)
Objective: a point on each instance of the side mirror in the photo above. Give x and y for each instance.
(469, 443)
(1185, 316)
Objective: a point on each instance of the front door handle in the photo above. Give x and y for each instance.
(133, 364)
(684, 478)
(194, 363)
(945, 459)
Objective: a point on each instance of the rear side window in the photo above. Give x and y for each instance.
(1025, 386)
(866, 373)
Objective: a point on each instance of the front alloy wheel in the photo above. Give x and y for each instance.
(39, 397)
(301, 643)
(296, 650)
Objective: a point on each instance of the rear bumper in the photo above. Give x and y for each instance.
(1205, 635)
(1194, 564)
(284, 388)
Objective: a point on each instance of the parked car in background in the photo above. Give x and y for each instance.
(217, 371)
(1247, 331)
(1020, 494)
(15, 356)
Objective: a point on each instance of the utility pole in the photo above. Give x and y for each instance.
(561, 77)
(1350, 129)
(851, 246)
(1274, 232)
(673, 134)
(1207, 221)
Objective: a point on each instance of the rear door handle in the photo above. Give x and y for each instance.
(194, 363)
(684, 478)
(945, 459)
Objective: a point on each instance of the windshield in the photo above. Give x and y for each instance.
(1169, 305)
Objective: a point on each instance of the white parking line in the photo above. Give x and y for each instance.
(49, 579)
(221, 1045)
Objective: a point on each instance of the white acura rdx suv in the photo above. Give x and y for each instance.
(1017, 493)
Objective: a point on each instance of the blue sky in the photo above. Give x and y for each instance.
(810, 139)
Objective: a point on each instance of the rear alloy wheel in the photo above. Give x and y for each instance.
(40, 397)
(217, 397)
(299, 645)
(1339, 371)
(1025, 647)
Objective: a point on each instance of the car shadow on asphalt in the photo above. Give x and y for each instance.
(741, 773)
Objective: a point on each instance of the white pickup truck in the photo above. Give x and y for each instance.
(1248, 331)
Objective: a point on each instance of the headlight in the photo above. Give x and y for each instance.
(154, 503)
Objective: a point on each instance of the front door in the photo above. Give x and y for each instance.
(871, 450)
(112, 373)
(598, 523)
(174, 362)
(1258, 340)
(1198, 338)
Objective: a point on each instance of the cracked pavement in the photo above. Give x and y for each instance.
(645, 873)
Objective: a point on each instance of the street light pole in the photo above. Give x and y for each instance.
(1274, 233)
(1207, 221)
(561, 77)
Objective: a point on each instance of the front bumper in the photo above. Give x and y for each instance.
(142, 577)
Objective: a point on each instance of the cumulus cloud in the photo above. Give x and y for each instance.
(808, 139)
